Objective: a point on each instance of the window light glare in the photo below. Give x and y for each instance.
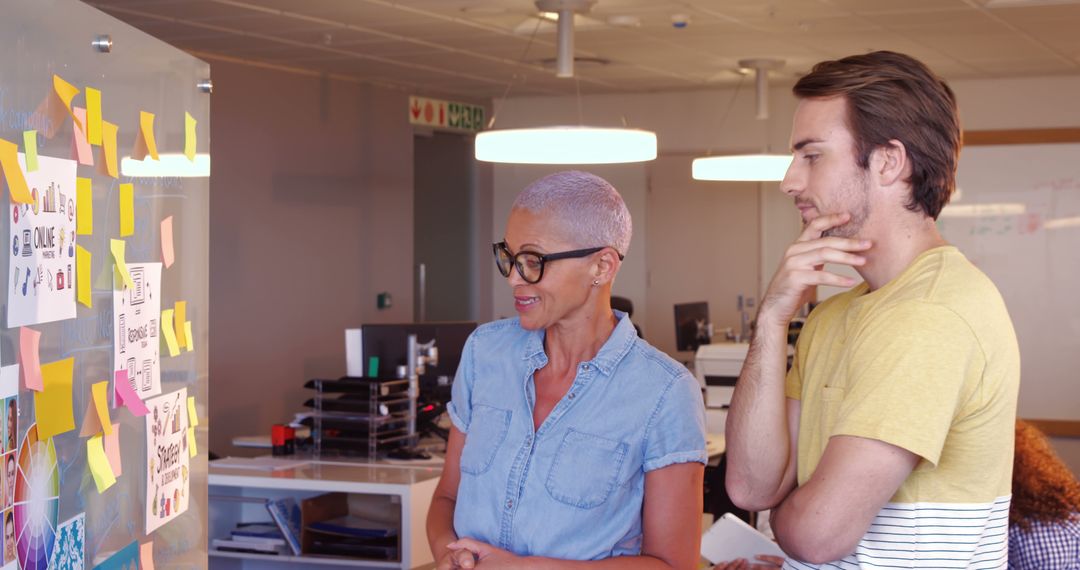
(742, 168)
(169, 165)
(566, 145)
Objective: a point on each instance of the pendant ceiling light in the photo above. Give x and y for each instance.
(565, 144)
(748, 167)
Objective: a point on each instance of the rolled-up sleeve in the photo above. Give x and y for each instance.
(676, 431)
(460, 407)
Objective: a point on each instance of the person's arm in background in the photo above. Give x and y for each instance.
(671, 528)
(762, 425)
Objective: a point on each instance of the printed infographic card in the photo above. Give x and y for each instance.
(136, 311)
(168, 467)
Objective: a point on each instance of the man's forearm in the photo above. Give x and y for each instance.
(757, 432)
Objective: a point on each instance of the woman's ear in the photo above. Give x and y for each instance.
(607, 265)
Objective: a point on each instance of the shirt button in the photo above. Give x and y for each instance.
(509, 504)
(585, 366)
(571, 395)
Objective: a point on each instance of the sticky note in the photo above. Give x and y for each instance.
(82, 276)
(167, 255)
(99, 464)
(168, 330)
(146, 556)
(52, 405)
(127, 209)
(187, 336)
(191, 442)
(125, 394)
(117, 246)
(100, 390)
(189, 136)
(108, 148)
(180, 317)
(192, 415)
(13, 174)
(65, 92)
(144, 141)
(93, 116)
(30, 149)
(91, 424)
(111, 443)
(80, 148)
(28, 358)
(84, 207)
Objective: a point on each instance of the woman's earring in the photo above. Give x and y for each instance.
(595, 282)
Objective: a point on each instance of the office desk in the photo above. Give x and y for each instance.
(399, 492)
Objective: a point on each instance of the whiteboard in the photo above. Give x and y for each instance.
(46, 37)
(1019, 222)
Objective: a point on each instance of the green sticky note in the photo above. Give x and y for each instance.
(30, 144)
(373, 367)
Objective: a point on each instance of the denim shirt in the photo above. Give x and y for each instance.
(574, 488)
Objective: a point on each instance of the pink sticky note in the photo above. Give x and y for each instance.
(112, 449)
(146, 555)
(167, 254)
(79, 143)
(126, 396)
(28, 353)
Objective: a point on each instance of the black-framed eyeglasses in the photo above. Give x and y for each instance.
(530, 264)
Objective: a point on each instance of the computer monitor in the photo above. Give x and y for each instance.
(691, 325)
(389, 342)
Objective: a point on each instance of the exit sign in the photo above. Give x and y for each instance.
(445, 114)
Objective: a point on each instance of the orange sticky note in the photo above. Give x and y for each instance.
(167, 254)
(52, 405)
(127, 209)
(13, 173)
(66, 92)
(107, 166)
(100, 391)
(125, 394)
(91, 424)
(117, 247)
(146, 556)
(84, 207)
(180, 317)
(112, 450)
(28, 358)
(30, 149)
(144, 142)
(168, 331)
(93, 116)
(82, 276)
(99, 464)
(189, 136)
(187, 336)
(80, 148)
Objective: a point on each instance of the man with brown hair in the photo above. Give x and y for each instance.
(890, 442)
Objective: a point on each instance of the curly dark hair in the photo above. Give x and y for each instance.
(1043, 488)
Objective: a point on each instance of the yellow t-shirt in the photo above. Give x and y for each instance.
(929, 363)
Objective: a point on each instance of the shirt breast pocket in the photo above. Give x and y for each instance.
(831, 400)
(586, 469)
(487, 430)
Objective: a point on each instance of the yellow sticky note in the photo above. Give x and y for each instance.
(82, 276)
(117, 246)
(108, 147)
(180, 317)
(192, 451)
(93, 116)
(144, 142)
(146, 556)
(168, 331)
(192, 415)
(30, 148)
(127, 209)
(167, 254)
(101, 404)
(99, 464)
(16, 182)
(189, 136)
(84, 207)
(52, 405)
(187, 336)
(66, 92)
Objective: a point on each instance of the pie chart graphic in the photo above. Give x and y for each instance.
(37, 501)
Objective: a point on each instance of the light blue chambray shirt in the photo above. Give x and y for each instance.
(574, 488)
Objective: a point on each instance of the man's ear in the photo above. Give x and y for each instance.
(890, 164)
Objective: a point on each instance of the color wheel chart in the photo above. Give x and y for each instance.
(37, 501)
